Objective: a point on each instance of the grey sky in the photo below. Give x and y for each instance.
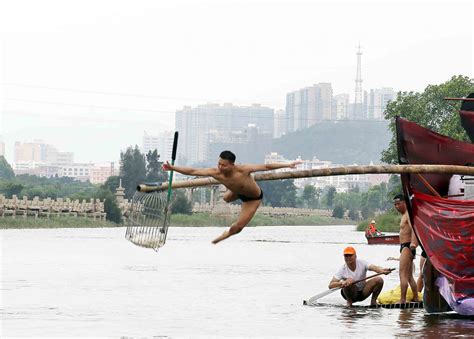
(91, 76)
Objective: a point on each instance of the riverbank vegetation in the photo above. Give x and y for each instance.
(53, 222)
(181, 220)
(205, 219)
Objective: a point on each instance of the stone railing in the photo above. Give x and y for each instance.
(51, 207)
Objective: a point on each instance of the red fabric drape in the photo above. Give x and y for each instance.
(446, 231)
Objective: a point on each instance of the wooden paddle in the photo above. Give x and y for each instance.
(311, 300)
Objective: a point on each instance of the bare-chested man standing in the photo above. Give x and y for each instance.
(239, 182)
(408, 244)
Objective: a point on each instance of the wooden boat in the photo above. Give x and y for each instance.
(444, 227)
(393, 306)
(356, 306)
(384, 239)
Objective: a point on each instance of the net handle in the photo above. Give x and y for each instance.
(173, 158)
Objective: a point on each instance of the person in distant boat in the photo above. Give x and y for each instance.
(353, 270)
(372, 230)
(408, 245)
(239, 182)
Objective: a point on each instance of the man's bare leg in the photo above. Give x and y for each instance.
(373, 286)
(246, 214)
(351, 294)
(406, 276)
(230, 196)
(419, 281)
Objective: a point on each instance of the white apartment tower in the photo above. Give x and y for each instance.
(308, 106)
(378, 100)
(162, 142)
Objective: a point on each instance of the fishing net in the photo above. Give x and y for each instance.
(150, 212)
(149, 219)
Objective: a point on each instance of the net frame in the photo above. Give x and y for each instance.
(149, 220)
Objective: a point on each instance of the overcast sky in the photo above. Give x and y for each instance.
(91, 76)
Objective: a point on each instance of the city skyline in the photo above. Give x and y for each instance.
(90, 80)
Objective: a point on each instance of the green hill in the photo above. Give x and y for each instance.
(342, 142)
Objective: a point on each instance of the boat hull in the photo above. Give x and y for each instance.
(384, 240)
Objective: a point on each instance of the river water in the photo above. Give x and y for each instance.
(92, 282)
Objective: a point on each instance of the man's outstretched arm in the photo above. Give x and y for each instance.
(269, 167)
(200, 172)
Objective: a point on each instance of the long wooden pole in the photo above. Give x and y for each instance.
(322, 172)
(327, 292)
(428, 185)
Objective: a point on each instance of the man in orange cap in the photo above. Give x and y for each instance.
(354, 270)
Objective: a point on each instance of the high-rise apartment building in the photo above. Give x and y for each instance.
(308, 106)
(40, 152)
(280, 124)
(27, 152)
(162, 142)
(378, 100)
(340, 106)
(200, 126)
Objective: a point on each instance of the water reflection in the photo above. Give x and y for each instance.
(447, 325)
(406, 319)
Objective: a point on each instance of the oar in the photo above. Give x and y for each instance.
(325, 293)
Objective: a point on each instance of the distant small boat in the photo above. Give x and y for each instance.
(384, 240)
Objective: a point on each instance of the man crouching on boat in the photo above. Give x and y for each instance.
(353, 271)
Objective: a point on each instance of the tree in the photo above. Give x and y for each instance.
(154, 173)
(429, 110)
(309, 196)
(132, 170)
(181, 205)
(330, 194)
(6, 171)
(114, 213)
(365, 212)
(279, 193)
(112, 183)
(10, 189)
(353, 214)
(338, 212)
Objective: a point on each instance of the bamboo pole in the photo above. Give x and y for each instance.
(321, 172)
(428, 186)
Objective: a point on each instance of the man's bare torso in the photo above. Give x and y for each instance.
(238, 181)
(405, 229)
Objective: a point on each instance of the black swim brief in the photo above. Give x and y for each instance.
(245, 198)
(407, 245)
(359, 297)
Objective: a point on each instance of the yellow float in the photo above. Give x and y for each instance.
(393, 296)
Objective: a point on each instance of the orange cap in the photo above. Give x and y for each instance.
(349, 250)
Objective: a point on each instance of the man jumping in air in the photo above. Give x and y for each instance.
(239, 182)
